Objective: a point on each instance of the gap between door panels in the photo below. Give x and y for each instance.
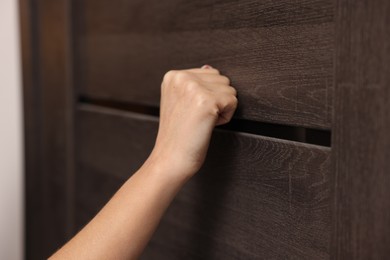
(286, 132)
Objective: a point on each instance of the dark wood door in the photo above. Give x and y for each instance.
(300, 172)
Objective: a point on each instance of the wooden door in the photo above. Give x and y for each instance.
(300, 172)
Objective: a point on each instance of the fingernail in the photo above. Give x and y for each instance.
(206, 67)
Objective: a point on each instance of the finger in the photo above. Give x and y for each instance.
(217, 79)
(204, 71)
(227, 105)
(222, 88)
(206, 67)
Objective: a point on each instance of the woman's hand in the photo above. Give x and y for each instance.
(193, 102)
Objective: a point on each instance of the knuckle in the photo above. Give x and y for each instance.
(231, 101)
(214, 70)
(234, 101)
(169, 75)
(178, 78)
(181, 76)
(227, 80)
(167, 79)
(233, 90)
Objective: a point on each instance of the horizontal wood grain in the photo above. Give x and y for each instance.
(278, 54)
(189, 15)
(255, 197)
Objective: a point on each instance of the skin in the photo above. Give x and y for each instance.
(193, 102)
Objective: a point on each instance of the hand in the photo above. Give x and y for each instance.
(193, 102)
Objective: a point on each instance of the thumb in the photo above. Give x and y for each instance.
(227, 111)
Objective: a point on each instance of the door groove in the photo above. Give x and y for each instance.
(286, 132)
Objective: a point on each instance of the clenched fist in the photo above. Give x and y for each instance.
(193, 102)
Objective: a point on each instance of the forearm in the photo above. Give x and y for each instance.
(124, 226)
(193, 102)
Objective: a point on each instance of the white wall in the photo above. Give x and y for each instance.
(11, 153)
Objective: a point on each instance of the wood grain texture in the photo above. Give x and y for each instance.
(278, 54)
(48, 98)
(33, 187)
(254, 198)
(361, 137)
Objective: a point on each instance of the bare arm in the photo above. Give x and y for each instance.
(192, 103)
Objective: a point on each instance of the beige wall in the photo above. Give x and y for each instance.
(11, 164)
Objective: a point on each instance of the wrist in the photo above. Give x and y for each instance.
(165, 170)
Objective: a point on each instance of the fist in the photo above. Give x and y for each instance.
(192, 103)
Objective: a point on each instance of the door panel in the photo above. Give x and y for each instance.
(278, 54)
(255, 197)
